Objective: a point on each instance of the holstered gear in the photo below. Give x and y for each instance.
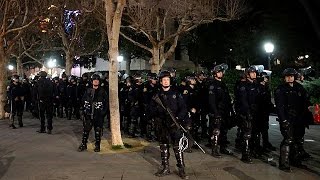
(180, 162)
(246, 152)
(20, 121)
(164, 149)
(83, 145)
(284, 158)
(97, 133)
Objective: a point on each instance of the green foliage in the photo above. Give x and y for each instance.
(313, 89)
(117, 147)
(230, 78)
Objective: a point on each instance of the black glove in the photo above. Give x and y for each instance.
(285, 124)
(187, 124)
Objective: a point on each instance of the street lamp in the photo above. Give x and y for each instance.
(269, 47)
(120, 59)
(10, 67)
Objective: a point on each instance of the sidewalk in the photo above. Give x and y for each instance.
(27, 155)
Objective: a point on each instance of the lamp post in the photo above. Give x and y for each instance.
(10, 67)
(120, 59)
(269, 47)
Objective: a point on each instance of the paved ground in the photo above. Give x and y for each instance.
(27, 155)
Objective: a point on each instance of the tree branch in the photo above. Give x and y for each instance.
(136, 43)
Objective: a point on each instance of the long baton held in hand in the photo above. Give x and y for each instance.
(158, 100)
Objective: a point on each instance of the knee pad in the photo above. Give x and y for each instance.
(287, 141)
(246, 136)
(216, 132)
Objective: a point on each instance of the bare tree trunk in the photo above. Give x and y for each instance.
(69, 63)
(3, 80)
(155, 62)
(113, 22)
(19, 67)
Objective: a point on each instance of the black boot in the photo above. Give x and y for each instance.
(180, 163)
(69, 114)
(246, 153)
(215, 147)
(20, 121)
(284, 158)
(225, 150)
(266, 143)
(98, 139)
(238, 140)
(302, 153)
(83, 145)
(61, 112)
(12, 126)
(295, 157)
(164, 149)
(12, 123)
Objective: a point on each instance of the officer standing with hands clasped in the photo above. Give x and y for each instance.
(168, 131)
(95, 104)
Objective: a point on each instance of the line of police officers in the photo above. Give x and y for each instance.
(191, 102)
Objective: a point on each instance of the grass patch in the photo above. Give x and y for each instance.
(117, 147)
(127, 145)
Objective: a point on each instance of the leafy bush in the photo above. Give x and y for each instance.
(313, 89)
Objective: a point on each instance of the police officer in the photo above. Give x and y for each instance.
(190, 95)
(239, 83)
(219, 111)
(149, 90)
(44, 97)
(56, 97)
(95, 104)
(291, 103)
(63, 95)
(247, 99)
(203, 98)
(172, 100)
(16, 97)
(265, 107)
(73, 96)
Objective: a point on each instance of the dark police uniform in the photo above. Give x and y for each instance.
(44, 98)
(168, 132)
(95, 104)
(16, 95)
(292, 104)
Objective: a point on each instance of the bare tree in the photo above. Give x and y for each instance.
(15, 17)
(162, 22)
(113, 16)
(25, 48)
(83, 23)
